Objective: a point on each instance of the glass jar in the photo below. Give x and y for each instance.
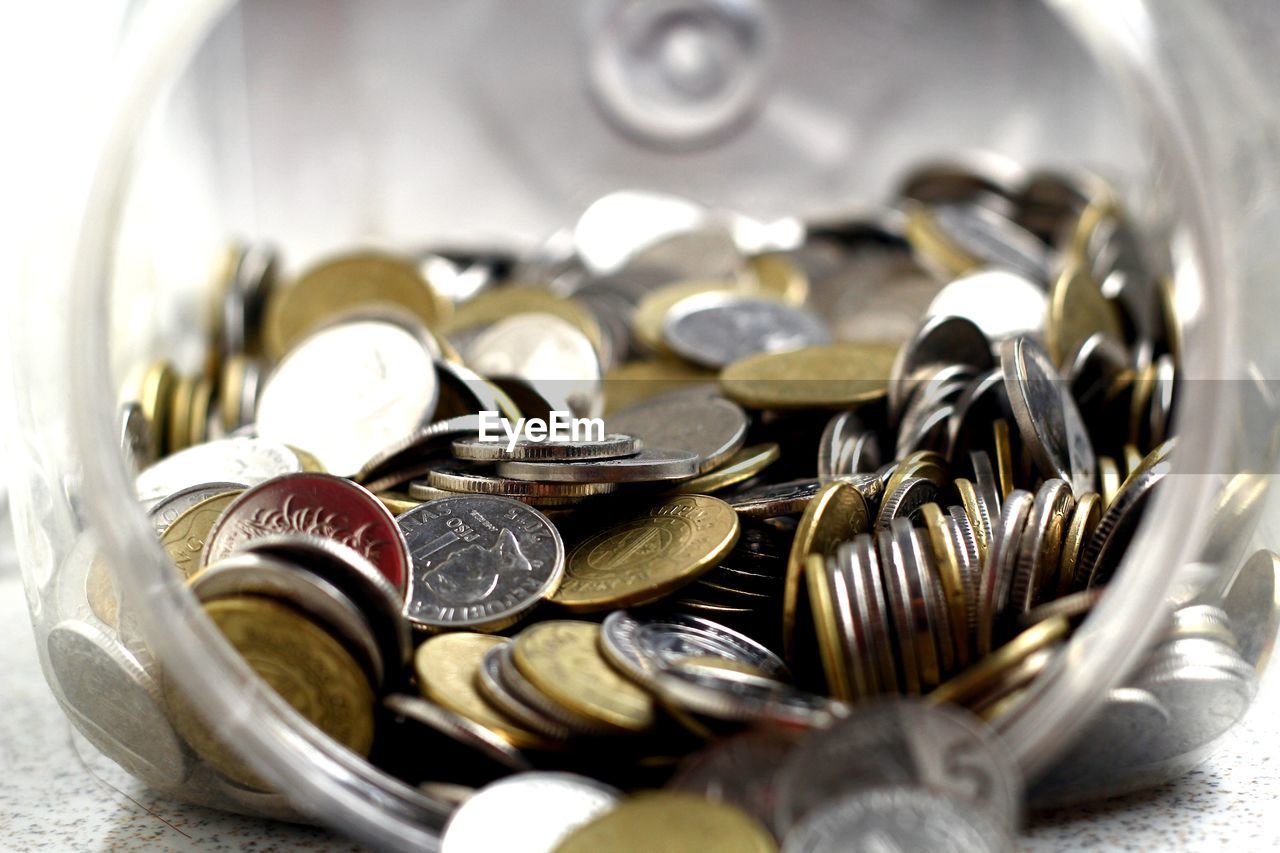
(319, 125)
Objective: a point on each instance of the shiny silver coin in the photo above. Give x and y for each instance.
(489, 681)
(996, 581)
(650, 465)
(418, 447)
(422, 712)
(233, 460)
(718, 328)
(1203, 701)
(1253, 607)
(137, 440)
(930, 614)
(547, 352)
(740, 770)
(993, 240)
(942, 339)
(531, 812)
(1046, 416)
(739, 697)
(1036, 570)
(1110, 541)
(640, 645)
(904, 501)
(478, 561)
(988, 489)
(966, 544)
(526, 450)
(166, 512)
(894, 573)
(710, 427)
(901, 743)
(866, 584)
(115, 704)
(257, 574)
(1002, 304)
(775, 499)
(898, 818)
(468, 479)
(349, 390)
(846, 447)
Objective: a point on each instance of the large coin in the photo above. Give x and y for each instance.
(718, 328)
(649, 554)
(530, 812)
(478, 561)
(348, 391)
(235, 460)
(710, 427)
(673, 822)
(835, 376)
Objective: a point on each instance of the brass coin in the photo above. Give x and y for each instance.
(628, 384)
(977, 513)
(1132, 460)
(155, 396)
(987, 673)
(309, 462)
(742, 466)
(489, 307)
(924, 464)
(831, 648)
(671, 822)
(398, 503)
(837, 513)
(296, 658)
(1084, 521)
(648, 555)
(1109, 475)
(1077, 311)
(1004, 456)
(100, 592)
(448, 667)
(832, 376)
(184, 539)
(778, 275)
(562, 660)
(201, 404)
(930, 241)
(179, 420)
(341, 285)
(947, 561)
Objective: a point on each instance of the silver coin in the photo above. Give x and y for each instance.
(902, 743)
(898, 818)
(739, 697)
(942, 339)
(494, 688)
(1041, 540)
(257, 574)
(1204, 701)
(846, 447)
(136, 438)
(966, 544)
(905, 500)
(1046, 416)
(1110, 541)
(232, 460)
(933, 624)
(987, 487)
(996, 581)
(867, 586)
(639, 646)
(347, 391)
(740, 770)
(897, 598)
(417, 447)
(357, 579)
(460, 477)
(547, 352)
(650, 465)
(712, 428)
(531, 812)
(526, 450)
(1002, 304)
(478, 561)
(718, 328)
(425, 713)
(1160, 412)
(166, 512)
(1252, 606)
(115, 704)
(775, 499)
(993, 240)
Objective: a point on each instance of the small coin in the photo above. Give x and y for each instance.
(184, 540)
(154, 395)
(906, 500)
(947, 561)
(527, 450)
(563, 661)
(648, 322)
(648, 555)
(833, 625)
(314, 504)
(492, 683)
(1106, 548)
(420, 446)
(717, 328)
(710, 427)
(530, 812)
(236, 460)
(468, 479)
(1040, 547)
(478, 561)
(840, 375)
(742, 466)
(649, 465)
(846, 447)
(167, 511)
(942, 339)
(1084, 521)
(674, 822)
(638, 645)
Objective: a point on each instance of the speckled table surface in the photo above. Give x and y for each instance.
(57, 794)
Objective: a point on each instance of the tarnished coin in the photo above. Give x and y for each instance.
(1047, 417)
(711, 428)
(674, 822)
(646, 556)
(167, 511)
(840, 375)
(527, 450)
(638, 645)
(649, 465)
(315, 504)
(478, 561)
(562, 659)
(531, 812)
(717, 328)
(348, 391)
(184, 540)
(549, 353)
(236, 460)
(1001, 304)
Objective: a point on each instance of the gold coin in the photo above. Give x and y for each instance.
(831, 647)
(634, 381)
(397, 503)
(309, 462)
(296, 658)
(836, 514)
(201, 401)
(1144, 385)
(1077, 311)
(986, 674)
(1132, 460)
(231, 393)
(933, 244)
(1084, 521)
(341, 285)
(490, 306)
(651, 312)
(1004, 457)
(562, 660)
(973, 508)
(778, 275)
(671, 822)
(447, 667)
(1109, 474)
(100, 592)
(184, 539)
(922, 463)
(648, 555)
(179, 421)
(155, 396)
(743, 465)
(947, 561)
(832, 376)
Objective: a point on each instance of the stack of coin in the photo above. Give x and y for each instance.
(805, 494)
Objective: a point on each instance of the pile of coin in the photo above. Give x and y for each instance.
(893, 456)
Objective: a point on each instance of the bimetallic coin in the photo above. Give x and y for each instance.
(652, 464)
(167, 511)
(349, 390)
(716, 328)
(563, 661)
(648, 555)
(674, 822)
(185, 539)
(711, 428)
(478, 562)
(840, 375)
(237, 460)
(526, 450)
(531, 812)
(638, 645)
(318, 505)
